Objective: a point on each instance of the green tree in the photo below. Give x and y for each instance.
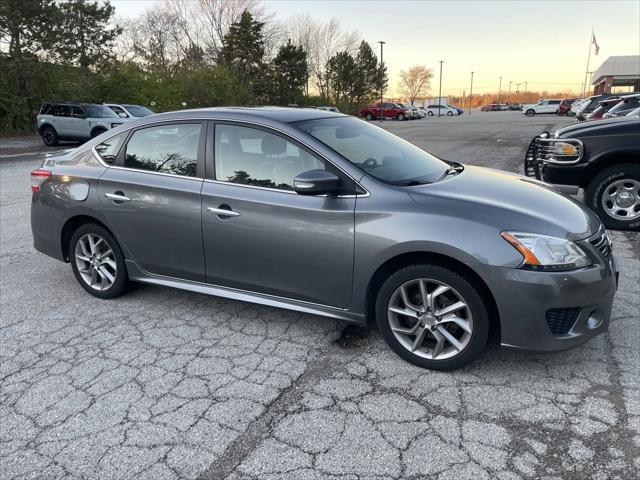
(341, 76)
(88, 37)
(243, 53)
(367, 75)
(291, 72)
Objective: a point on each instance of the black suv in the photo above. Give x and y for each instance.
(603, 157)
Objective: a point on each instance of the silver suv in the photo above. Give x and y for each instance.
(74, 121)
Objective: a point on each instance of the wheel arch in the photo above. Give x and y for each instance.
(70, 226)
(413, 258)
(46, 124)
(607, 160)
(97, 130)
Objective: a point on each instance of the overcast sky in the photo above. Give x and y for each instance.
(544, 43)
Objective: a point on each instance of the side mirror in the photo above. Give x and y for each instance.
(316, 182)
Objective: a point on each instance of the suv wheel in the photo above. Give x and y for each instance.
(49, 136)
(430, 113)
(400, 116)
(450, 114)
(530, 112)
(97, 261)
(614, 194)
(369, 116)
(432, 317)
(97, 131)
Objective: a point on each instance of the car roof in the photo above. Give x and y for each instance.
(82, 104)
(278, 114)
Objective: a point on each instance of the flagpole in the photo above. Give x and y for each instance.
(586, 72)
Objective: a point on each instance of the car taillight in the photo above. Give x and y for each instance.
(38, 177)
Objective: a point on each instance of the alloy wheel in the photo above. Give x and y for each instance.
(621, 199)
(430, 319)
(95, 261)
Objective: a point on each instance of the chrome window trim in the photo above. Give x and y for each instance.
(245, 122)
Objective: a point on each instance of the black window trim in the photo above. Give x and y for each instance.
(210, 160)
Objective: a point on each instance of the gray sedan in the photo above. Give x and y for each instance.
(324, 213)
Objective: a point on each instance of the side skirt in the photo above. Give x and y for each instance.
(137, 274)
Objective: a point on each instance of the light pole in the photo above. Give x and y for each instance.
(499, 90)
(509, 95)
(471, 93)
(525, 92)
(440, 89)
(381, 80)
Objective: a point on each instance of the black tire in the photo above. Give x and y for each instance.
(530, 112)
(120, 284)
(49, 136)
(97, 131)
(466, 289)
(430, 113)
(599, 186)
(450, 114)
(369, 117)
(400, 117)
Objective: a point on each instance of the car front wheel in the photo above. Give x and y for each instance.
(430, 113)
(432, 317)
(369, 117)
(530, 113)
(614, 194)
(450, 114)
(400, 116)
(97, 261)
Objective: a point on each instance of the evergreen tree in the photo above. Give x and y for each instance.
(291, 72)
(87, 38)
(367, 75)
(341, 76)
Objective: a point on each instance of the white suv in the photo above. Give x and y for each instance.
(441, 109)
(125, 110)
(74, 121)
(543, 106)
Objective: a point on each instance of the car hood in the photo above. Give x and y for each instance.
(509, 201)
(580, 128)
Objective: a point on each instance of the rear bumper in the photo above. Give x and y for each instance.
(525, 299)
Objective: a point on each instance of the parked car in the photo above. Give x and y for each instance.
(325, 214)
(441, 109)
(633, 113)
(329, 108)
(74, 121)
(389, 110)
(413, 112)
(627, 105)
(565, 106)
(603, 107)
(515, 106)
(125, 110)
(590, 104)
(603, 158)
(492, 107)
(548, 105)
(460, 110)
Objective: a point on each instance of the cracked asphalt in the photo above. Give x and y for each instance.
(165, 384)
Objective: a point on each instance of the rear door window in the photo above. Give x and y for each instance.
(61, 111)
(165, 148)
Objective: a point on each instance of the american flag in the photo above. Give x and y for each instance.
(593, 35)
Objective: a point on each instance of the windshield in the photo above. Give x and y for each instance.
(139, 111)
(376, 151)
(99, 111)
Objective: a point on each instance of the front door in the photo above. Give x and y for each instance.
(273, 240)
(152, 198)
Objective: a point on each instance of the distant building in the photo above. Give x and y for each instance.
(620, 71)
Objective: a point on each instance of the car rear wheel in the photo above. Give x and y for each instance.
(98, 262)
(530, 112)
(97, 131)
(432, 317)
(430, 113)
(614, 194)
(49, 136)
(450, 114)
(369, 117)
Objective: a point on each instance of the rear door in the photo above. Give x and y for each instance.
(77, 122)
(152, 197)
(274, 241)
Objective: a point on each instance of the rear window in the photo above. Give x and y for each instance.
(99, 111)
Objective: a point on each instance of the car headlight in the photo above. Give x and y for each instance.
(564, 149)
(544, 253)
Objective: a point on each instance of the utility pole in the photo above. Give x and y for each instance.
(440, 90)
(509, 95)
(471, 93)
(381, 80)
(525, 92)
(499, 90)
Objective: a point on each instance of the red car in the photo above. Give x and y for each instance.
(389, 110)
(604, 107)
(565, 106)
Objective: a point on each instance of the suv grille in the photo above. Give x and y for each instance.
(560, 320)
(602, 243)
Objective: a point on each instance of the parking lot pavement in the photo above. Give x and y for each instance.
(166, 384)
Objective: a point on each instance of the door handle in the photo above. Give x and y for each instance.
(223, 212)
(117, 197)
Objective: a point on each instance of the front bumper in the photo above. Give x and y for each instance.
(566, 177)
(529, 303)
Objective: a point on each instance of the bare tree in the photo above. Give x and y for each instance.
(321, 40)
(415, 82)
